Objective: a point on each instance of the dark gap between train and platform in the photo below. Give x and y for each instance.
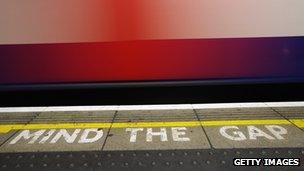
(155, 95)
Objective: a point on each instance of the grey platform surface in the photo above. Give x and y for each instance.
(166, 147)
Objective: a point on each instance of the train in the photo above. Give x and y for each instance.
(140, 43)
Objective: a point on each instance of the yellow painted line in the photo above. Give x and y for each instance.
(298, 122)
(67, 125)
(246, 122)
(7, 128)
(199, 123)
(155, 124)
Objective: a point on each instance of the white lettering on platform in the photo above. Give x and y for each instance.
(133, 134)
(178, 134)
(253, 133)
(162, 133)
(42, 136)
(47, 136)
(237, 135)
(67, 137)
(25, 134)
(277, 131)
(84, 137)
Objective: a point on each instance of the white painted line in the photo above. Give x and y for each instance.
(151, 107)
(80, 108)
(22, 109)
(285, 104)
(155, 107)
(227, 105)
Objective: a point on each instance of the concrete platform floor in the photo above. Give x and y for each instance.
(156, 128)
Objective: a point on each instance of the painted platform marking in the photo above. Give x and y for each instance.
(253, 133)
(255, 136)
(155, 135)
(36, 140)
(34, 136)
(156, 138)
(178, 134)
(5, 128)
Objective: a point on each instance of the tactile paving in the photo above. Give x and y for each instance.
(147, 160)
